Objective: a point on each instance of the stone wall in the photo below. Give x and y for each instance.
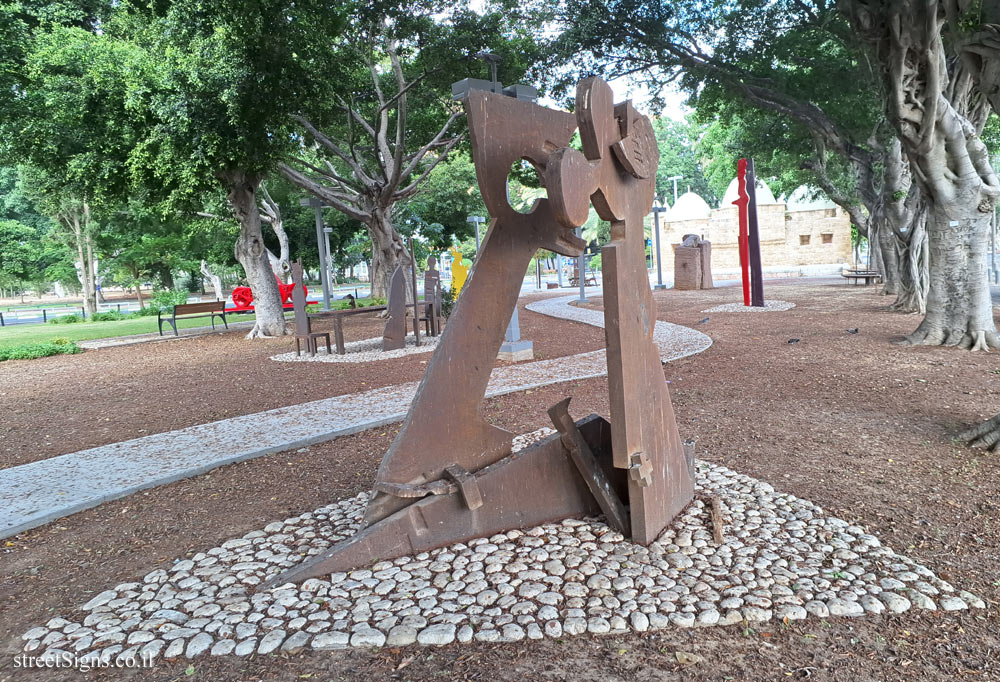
(782, 237)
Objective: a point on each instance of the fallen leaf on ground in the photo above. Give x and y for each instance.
(685, 658)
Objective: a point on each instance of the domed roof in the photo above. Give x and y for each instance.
(806, 198)
(689, 206)
(764, 195)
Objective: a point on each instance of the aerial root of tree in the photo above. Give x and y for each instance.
(257, 333)
(966, 339)
(985, 435)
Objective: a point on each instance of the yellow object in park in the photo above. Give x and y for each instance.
(458, 271)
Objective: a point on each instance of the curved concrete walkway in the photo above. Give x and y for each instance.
(39, 492)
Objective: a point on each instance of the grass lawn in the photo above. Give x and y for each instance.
(14, 335)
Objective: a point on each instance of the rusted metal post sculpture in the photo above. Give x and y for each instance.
(394, 334)
(742, 202)
(416, 303)
(753, 239)
(753, 276)
(432, 297)
(449, 476)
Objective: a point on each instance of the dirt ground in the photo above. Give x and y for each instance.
(60, 404)
(861, 427)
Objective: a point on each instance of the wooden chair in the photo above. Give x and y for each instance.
(303, 326)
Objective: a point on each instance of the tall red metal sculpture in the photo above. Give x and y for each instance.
(749, 239)
(449, 476)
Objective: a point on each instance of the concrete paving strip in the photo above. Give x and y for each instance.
(36, 493)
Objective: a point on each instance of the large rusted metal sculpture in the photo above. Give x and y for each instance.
(449, 476)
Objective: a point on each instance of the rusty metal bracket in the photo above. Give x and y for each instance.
(536, 485)
(589, 468)
(466, 485)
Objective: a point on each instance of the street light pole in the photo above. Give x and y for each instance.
(476, 220)
(580, 267)
(657, 210)
(675, 179)
(323, 253)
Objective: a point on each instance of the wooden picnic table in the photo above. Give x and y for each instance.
(338, 321)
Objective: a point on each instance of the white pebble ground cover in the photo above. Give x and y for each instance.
(366, 350)
(769, 307)
(782, 557)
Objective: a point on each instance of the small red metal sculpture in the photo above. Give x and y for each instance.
(243, 296)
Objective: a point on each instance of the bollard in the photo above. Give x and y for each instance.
(1, 319)
(44, 316)
(83, 312)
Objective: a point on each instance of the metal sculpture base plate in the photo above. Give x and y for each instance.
(500, 497)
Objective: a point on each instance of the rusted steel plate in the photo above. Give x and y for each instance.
(537, 485)
(445, 422)
(394, 336)
(590, 469)
(646, 441)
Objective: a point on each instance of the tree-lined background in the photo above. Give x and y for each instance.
(171, 142)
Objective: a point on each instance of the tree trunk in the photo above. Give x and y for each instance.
(85, 270)
(214, 279)
(913, 268)
(388, 251)
(888, 250)
(138, 287)
(252, 255)
(959, 307)
(984, 435)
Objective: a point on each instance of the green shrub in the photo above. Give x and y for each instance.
(60, 341)
(30, 351)
(66, 319)
(109, 316)
(447, 301)
(146, 312)
(165, 300)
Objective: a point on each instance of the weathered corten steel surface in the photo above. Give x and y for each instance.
(432, 297)
(449, 475)
(394, 335)
(445, 425)
(616, 171)
(537, 485)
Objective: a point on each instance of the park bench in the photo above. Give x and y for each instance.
(192, 310)
(868, 276)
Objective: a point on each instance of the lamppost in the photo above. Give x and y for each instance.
(323, 252)
(657, 210)
(477, 220)
(674, 179)
(581, 274)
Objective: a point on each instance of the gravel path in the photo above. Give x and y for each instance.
(781, 558)
(769, 307)
(36, 493)
(366, 350)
